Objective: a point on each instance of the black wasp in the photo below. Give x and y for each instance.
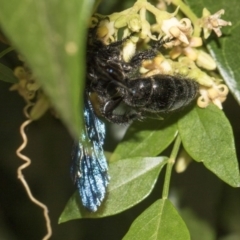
(117, 82)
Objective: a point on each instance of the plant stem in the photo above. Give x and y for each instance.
(170, 164)
(95, 6)
(9, 49)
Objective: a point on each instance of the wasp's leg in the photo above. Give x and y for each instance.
(119, 43)
(110, 106)
(137, 59)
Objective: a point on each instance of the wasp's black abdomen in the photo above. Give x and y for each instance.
(171, 93)
(161, 93)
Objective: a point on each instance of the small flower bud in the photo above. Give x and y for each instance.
(201, 77)
(212, 93)
(128, 50)
(182, 161)
(191, 53)
(134, 23)
(205, 61)
(32, 86)
(120, 22)
(203, 102)
(195, 42)
(102, 32)
(175, 52)
(19, 72)
(222, 90)
(185, 26)
(41, 106)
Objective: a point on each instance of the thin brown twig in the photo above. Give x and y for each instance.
(21, 176)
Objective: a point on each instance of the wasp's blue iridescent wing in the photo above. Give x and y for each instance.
(89, 165)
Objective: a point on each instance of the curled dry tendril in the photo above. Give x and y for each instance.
(25, 165)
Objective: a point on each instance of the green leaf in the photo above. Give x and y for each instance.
(51, 37)
(131, 181)
(6, 74)
(225, 49)
(145, 139)
(159, 221)
(207, 137)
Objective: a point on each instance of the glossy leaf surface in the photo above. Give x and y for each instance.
(51, 37)
(207, 137)
(159, 221)
(145, 139)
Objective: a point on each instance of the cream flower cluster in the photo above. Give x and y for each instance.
(27, 86)
(31, 91)
(186, 56)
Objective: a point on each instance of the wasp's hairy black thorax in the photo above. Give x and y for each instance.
(118, 82)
